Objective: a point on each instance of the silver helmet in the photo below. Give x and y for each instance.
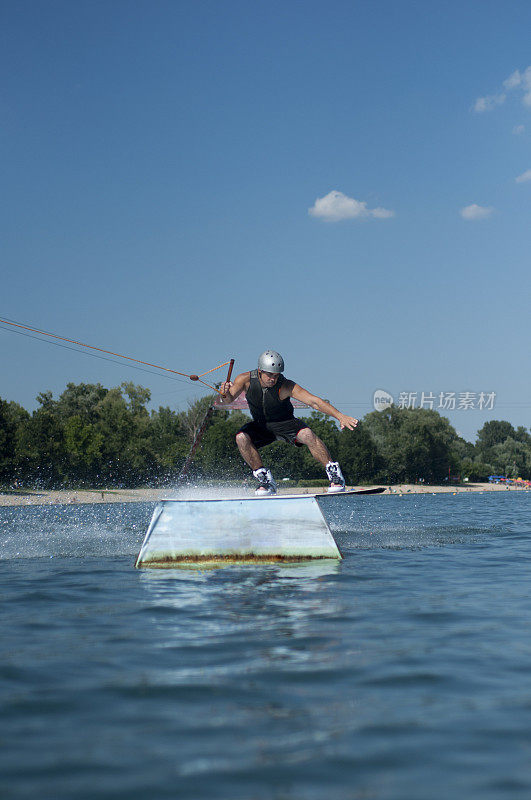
(271, 361)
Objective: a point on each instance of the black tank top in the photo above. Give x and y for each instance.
(265, 405)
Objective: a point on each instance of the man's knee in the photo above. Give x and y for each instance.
(242, 439)
(306, 436)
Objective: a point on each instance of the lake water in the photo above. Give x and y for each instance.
(401, 673)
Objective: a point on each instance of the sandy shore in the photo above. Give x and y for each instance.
(31, 497)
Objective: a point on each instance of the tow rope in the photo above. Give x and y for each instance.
(192, 377)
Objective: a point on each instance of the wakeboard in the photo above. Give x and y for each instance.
(347, 493)
(324, 493)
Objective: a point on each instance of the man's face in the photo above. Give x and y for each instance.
(268, 378)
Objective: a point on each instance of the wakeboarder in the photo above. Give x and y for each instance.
(268, 395)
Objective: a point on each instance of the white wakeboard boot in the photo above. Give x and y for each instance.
(266, 482)
(335, 476)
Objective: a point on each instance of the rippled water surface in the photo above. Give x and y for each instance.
(401, 673)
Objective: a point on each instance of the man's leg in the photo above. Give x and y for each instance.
(248, 451)
(319, 451)
(316, 446)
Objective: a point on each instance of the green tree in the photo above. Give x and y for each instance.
(475, 470)
(512, 458)
(197, 410)
(78, 414)
(40, 445)
(98, 436)
(286, 460)
(81, 400)
(218, 456)
(128, 456)
(119, 464)
(169, 442)
(522, 435)
(494, 432)
(506, 449)
(358, 455)
(83, 447)
(414, 443)
(12, 419)
(463, 449)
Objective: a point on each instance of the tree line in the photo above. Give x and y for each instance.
(97, 437)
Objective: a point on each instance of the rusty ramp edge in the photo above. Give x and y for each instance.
(168, 562)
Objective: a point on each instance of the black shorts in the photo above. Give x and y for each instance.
(266, 433)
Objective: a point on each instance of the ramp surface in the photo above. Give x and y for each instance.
(254, 529)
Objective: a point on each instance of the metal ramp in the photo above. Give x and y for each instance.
(254, 529)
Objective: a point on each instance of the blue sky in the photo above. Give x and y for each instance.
(160, 161)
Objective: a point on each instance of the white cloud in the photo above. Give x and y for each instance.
(518, 129)
(489, 102)
(336, 206)
(524, 177)
(513, 80)
(474, 212)
(526, 85)
(381, 213)
(517, 80)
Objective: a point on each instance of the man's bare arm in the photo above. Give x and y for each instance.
(322, 405)
(233, 390)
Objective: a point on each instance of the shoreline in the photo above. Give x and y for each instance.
(37, 497)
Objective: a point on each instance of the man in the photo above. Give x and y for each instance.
(268, 395)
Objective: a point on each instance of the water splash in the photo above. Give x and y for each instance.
(73, 531)
(206, 491)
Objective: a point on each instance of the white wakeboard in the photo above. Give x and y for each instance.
(324, 493)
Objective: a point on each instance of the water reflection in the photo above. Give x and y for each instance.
(257, 649)
(306, 569)
(254, 615)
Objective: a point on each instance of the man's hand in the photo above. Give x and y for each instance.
(347, 422)
(225, 389)
(233, 390)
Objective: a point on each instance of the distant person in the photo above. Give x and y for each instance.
(268, 395)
